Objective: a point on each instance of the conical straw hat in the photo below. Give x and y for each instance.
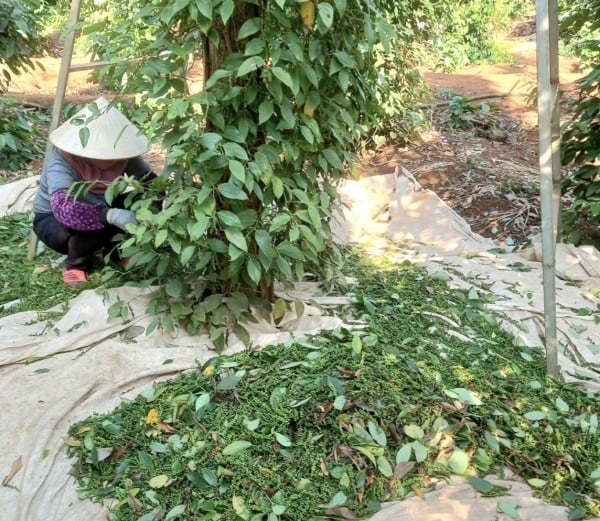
(100, 131)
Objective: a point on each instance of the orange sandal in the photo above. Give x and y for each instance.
(74, 278)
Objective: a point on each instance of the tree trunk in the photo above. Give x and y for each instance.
(213, 58)
(215, 55)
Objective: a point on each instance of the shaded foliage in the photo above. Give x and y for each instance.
(581, 134)
(19, 42)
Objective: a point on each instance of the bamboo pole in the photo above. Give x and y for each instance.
(59, 98)
(549, 153)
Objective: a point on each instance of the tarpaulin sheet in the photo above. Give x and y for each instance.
(57, 371)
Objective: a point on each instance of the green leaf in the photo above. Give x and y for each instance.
(277, 187)
(463, 395)
(534, 415)
(254, 47)
(307, 134)
(159, 481)
(420, 451)
(279, 309)
(403, 454)
(161, 237)
(175, 512)
(377, 433)
(283, 440)
(226, 10)
(537, 483)
(249, 65)
(235, 150)
(254, 269)
(202, 401)
(283, 76)
(219, 74)
(458, 462)
(509, 508)
(339, 402)
(229, 219)
(210, 139)
(84, 136)
(561, 405)
(481, 485)
(158, 447)
(235, 447)
(251, 425)
(265, 111)
(357, 344)
(279, 222)
(263, 239)
(289, 250)
(210, 477)
(186, 254)
(174, 288)
(237, 170)
(232, 191)
(367, 452)
(236, 237)
(383, 465)
(249, 27)
(338, 500)
(332, 158)
(326, 14)
(414, 431)
(240, 508)
(229, 382)
(577, 513)
(492, 442)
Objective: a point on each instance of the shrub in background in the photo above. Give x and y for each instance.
(581, 134)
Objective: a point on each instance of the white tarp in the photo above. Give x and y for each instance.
(55, 372)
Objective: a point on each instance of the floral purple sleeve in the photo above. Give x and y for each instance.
(74, 214)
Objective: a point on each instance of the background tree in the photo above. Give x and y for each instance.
(18, 41)
(20, 139)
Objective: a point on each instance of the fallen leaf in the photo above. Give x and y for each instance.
(72, 442)
(402, 469)
(418, 492)
(15, 467)
(343, 512)
(324, 467)
(135, 503)
(167, 427)
(481, 485)
(235, 447)
(209, 370)
(509, 508)
(103, 453)
(133, 331)
(121, 450)
(160, 481)
(153, 417)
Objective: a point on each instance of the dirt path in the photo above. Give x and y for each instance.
(491, 180)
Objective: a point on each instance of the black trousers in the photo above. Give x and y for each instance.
(79, 247)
